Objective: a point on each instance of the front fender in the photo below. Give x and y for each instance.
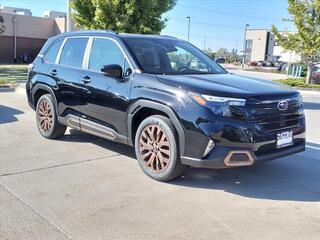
(149, 92)
(160, 107)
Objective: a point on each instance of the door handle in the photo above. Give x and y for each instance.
(54, 72)
(86, 79)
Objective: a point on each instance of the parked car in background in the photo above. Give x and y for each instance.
(165, 97)
(268, 64)
(260, 63)
(220, 60)
(253, 63)
(277, 63)
(316, 68)
(315, 76)
(264, 63)
(282, 66)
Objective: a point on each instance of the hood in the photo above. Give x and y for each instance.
(228, 85)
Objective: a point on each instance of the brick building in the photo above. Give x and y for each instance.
(25, 34)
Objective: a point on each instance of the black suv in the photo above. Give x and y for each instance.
(166, 98)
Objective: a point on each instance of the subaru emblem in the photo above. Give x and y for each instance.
(283, 105)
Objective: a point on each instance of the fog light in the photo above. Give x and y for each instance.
(209, 147)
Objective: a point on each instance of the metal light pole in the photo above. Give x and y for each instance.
(69, 28)
(14, 21)
(189, 18)
(244, 45)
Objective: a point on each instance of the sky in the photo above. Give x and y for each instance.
(214, 23)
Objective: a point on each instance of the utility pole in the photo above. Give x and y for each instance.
(69, 27)
(244, 45)
(205, 40)
(237, 45)
(189, 18)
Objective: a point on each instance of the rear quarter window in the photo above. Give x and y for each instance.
(52, 52)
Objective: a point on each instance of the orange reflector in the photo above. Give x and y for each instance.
(199, 99)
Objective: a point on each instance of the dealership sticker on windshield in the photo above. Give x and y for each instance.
(284, 139)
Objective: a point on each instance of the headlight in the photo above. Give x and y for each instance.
(218, 105)
(300, 102)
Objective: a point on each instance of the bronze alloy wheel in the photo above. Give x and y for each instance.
(45, 116)
(154, 148)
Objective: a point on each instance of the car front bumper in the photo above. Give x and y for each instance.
(227, 157)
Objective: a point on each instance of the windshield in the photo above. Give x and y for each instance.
(171, 56)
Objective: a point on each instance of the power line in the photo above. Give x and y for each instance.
(210, 44)
(205, 23)
(228, 13)
(237, 0)
(199, 36)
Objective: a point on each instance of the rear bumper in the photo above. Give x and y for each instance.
(220, 156)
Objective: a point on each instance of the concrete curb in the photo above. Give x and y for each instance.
(7, 89)
(308, 89)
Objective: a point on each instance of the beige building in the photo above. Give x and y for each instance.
(14, 10)
(261, 45)
(25, 35)
(54, 14)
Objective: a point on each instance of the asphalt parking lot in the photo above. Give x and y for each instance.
(83, 187)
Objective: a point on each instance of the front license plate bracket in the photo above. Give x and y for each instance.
(284, 139)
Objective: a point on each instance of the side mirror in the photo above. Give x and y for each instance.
(112, 70)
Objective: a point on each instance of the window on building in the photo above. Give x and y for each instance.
(105, 52)
(73, 52)
(52, 53)
(249, 44)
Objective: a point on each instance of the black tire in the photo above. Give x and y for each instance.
(173, 168)
(51, 128)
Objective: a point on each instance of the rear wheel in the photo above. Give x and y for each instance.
(157, 149)
(47, 120)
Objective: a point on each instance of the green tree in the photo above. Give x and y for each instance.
(210, 53)
(224, 53)
(233, 56)
(129, 16)
(305, 14)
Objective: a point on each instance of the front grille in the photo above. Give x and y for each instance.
(266, 116)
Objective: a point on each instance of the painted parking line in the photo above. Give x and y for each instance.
(312, 147)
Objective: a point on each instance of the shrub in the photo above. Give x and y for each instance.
(297, 82)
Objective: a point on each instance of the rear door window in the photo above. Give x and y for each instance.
(52, 53)
(73, 52)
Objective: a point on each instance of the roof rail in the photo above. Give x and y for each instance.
(111, 31)
(168, 36)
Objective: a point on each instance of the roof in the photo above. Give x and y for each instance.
(110, 33)
(130, 35)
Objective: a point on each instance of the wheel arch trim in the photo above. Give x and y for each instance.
(138, 105)
(41, 86)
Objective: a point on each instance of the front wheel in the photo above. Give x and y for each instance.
(156, 148)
